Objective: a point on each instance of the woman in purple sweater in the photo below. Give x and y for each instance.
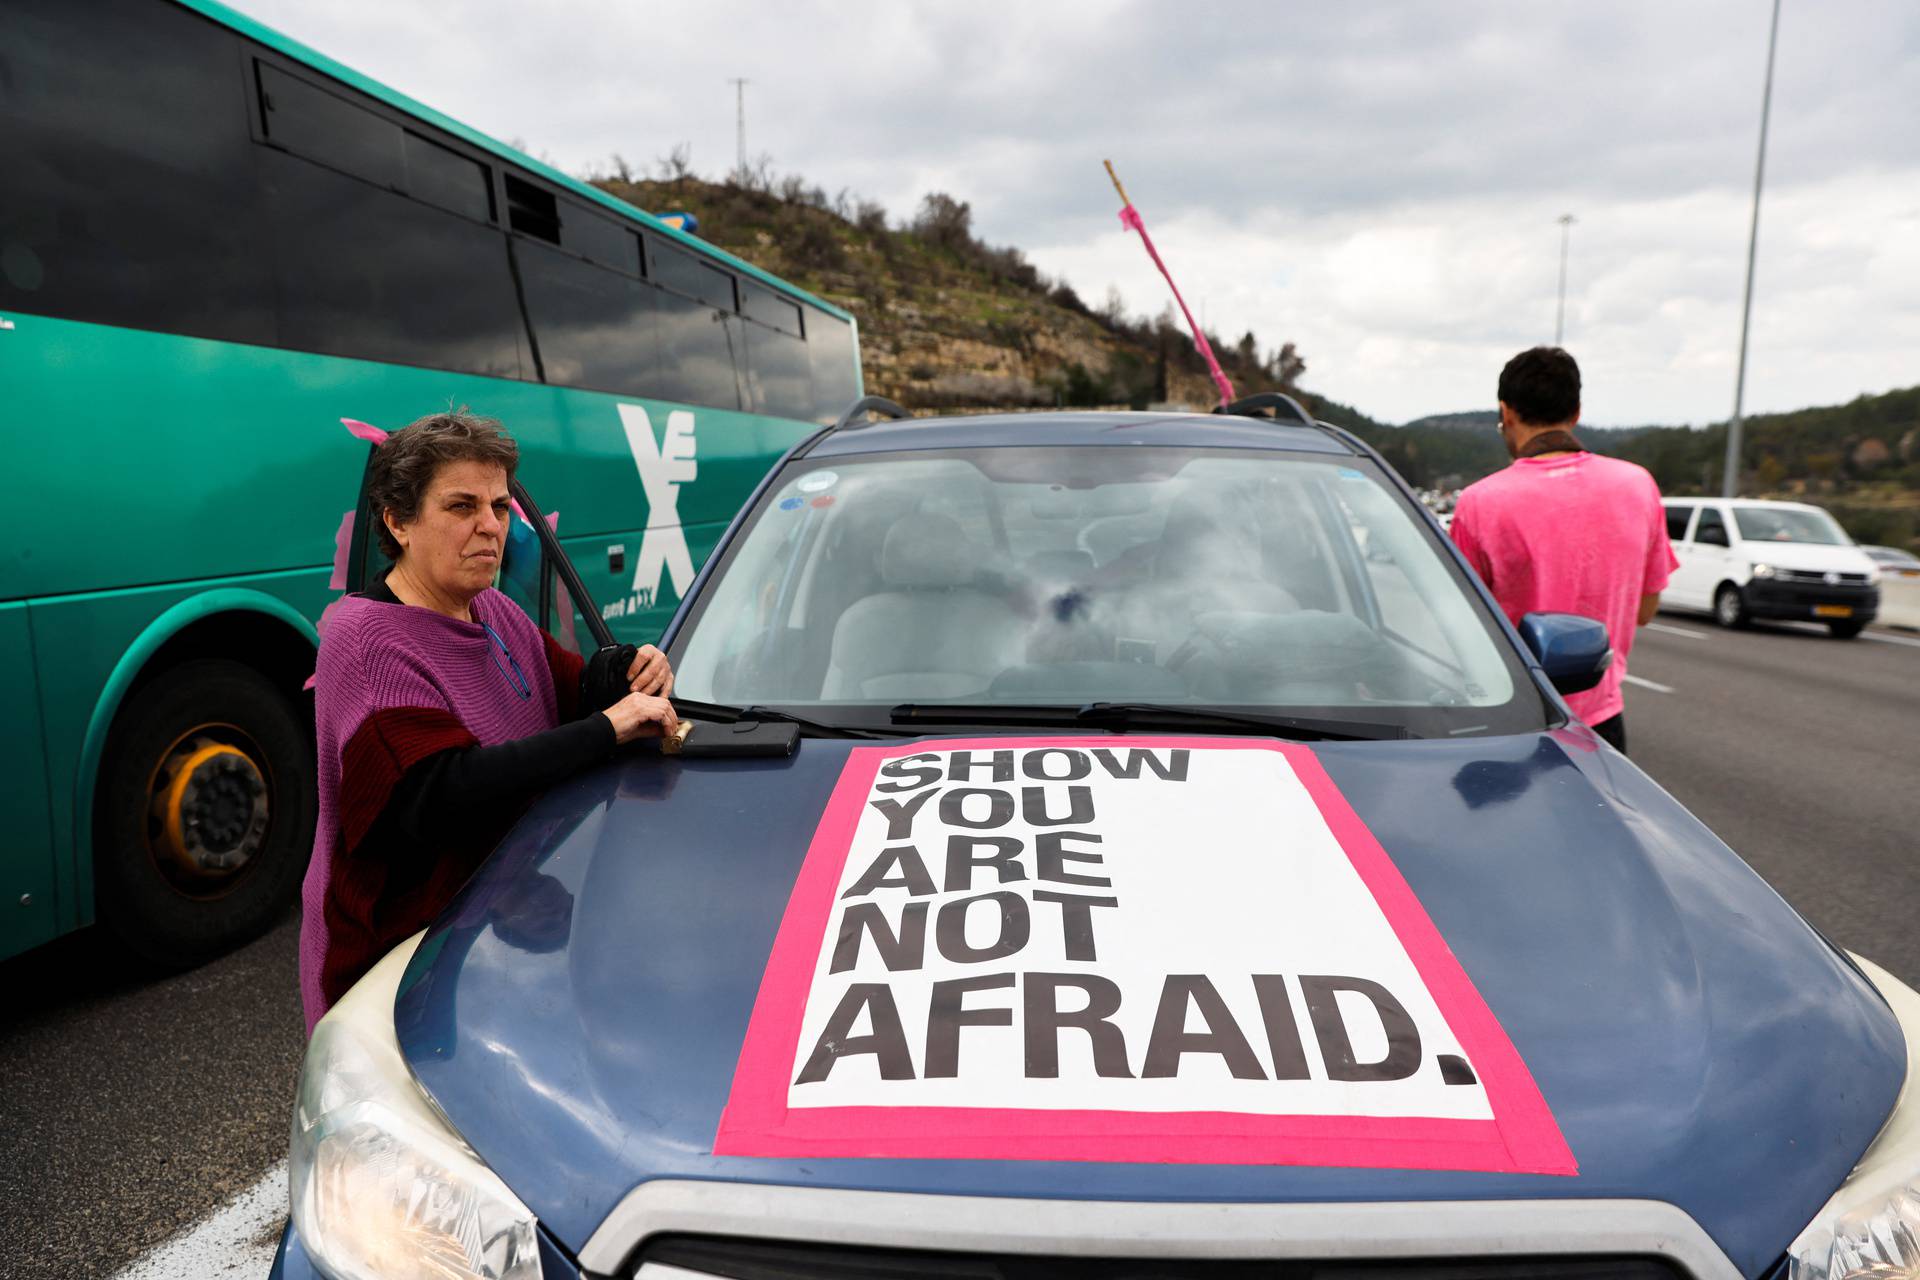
(440, 708)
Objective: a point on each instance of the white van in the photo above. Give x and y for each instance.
(1742, 559)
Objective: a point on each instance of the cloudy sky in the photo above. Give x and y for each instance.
(1376, 182)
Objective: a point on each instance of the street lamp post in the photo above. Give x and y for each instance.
(1730, 476)
(1566, 221)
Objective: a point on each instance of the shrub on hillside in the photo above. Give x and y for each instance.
(945, 222)
(813, 245)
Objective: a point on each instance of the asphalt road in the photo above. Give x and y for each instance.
(131, 1106)
(1803, 753)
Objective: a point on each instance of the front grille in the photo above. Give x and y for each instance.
(1816, 575)
(742, 1259)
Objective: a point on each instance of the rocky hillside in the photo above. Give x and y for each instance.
(950, 323)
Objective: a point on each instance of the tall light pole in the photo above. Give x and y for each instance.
(1730, 476)
(739, 84)
(1566, 221)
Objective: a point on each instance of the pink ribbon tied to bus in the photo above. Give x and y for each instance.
(1130, 219)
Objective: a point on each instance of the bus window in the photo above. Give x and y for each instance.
(532, 210)
(443, 177)
(116, 212)
(372, 274)
(599, 239)
(698, 353)
(830, 357)
(777, 373)
(760, 303)
(594, 328)
(686, 274)
(323, 127)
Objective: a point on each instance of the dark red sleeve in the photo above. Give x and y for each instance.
(387, 744)
(363, 919)
(566, 666)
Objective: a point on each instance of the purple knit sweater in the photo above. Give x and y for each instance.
(379, 658)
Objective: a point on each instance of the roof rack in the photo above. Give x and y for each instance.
(1249, 406)
(856, 415)
(1352, 441)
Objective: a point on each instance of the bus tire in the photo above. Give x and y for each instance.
(204, 812)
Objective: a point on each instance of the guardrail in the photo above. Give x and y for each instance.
(1900, 602)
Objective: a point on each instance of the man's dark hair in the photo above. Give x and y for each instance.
(1542, 385)
(404, 467)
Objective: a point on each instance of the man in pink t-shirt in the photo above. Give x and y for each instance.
(1566, 531)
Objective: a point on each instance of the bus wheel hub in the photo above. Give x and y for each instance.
(211, 804)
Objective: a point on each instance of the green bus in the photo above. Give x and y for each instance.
(215, 245)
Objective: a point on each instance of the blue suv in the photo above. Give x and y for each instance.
(1110, 845)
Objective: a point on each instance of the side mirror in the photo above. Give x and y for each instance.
(1573, 651)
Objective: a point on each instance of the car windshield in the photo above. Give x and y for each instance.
(1788, 524)
(1252, 581)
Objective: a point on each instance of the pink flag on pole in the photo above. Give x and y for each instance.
(1130, 218)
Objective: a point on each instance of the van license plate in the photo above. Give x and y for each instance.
(1833, 611)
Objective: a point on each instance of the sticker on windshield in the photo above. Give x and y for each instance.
(1143, 948)
(792, 504)
(815, 481)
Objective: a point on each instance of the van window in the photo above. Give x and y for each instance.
(1712, 530)
(1677, 520)
(1788, 524)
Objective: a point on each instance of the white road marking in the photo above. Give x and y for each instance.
(1820, 628)
(1909, 641)
(238, 1240)
(1664, 629)
(1648, 684)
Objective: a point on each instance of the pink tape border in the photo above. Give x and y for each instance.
(1522, 1137)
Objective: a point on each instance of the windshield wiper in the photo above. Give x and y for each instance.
(721, 713)
(1146, 715)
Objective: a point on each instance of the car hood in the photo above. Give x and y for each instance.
(1810, 557)
(580, 1012)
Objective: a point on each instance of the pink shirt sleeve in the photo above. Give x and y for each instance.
(1661, 562)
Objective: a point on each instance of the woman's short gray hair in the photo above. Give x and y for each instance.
(404, 466)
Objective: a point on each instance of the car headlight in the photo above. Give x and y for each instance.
(1871, 1225)
(1763, 571)
(382, 1187)
(1874, 575)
